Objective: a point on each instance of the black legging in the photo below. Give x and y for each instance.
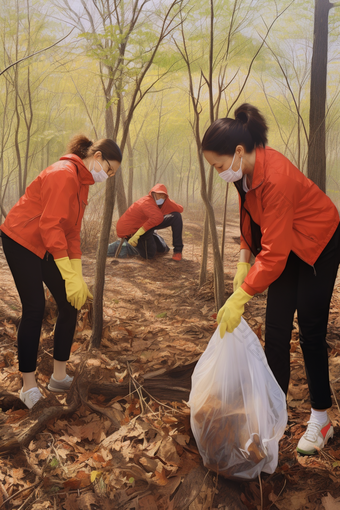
(308, 290)
(149, 244)
(29, 273)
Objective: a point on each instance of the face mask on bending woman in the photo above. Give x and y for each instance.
(100, 176)
(229, 175)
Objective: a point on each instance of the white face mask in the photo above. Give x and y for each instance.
(98, 176)
(229, 175)
(160, 201)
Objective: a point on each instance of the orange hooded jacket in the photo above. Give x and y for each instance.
(47, 218)
(292, 213)
(146, 213)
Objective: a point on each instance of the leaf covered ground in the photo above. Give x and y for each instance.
(155, 318)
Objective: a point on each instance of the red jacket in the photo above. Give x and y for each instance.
(146, 213)
(48, 216)
(293, 214)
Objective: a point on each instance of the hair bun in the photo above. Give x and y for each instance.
(241, 116)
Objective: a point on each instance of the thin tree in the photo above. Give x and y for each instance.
(110, 49)
(296, 75)
(318, 95)
(218, 62)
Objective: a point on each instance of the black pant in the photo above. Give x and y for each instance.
(29, 273)
(308, 290)
(149, 243)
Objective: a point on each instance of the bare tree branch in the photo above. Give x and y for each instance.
(258, 51)
(36, 53)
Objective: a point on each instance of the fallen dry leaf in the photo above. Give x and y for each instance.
(330, 503)
(147, 503)
(160, 477)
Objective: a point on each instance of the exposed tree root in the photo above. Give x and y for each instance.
(173, 385)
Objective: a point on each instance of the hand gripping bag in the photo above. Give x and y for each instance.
(237, 409)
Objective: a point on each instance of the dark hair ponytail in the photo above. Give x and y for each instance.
(79, 145)
(82, 147)
(248, 129)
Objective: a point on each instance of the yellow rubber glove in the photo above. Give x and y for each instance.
(75, 291)
(241, 273)
(134, 239)
(77, 266)
(229, 316)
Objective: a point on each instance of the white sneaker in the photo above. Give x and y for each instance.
(315, 437)
(60, 386)
(30, 397)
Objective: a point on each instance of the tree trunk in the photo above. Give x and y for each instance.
(218, 265)
(120, 191)
(317, 128)
(224, 221)
(205, 244)
(205, 238)
(130, 180)
(98, 290)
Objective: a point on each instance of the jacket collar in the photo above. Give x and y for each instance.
(258, 174)
(84, 175)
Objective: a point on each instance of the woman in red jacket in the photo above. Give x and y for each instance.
(41, 242)
(292, 228)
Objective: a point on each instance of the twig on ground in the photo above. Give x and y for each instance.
(138, 389)
(279, 494)
(336, 400)
(5, 493)
(28, 500)
(261, 492)
(214, 492)
(161, 403)
(19, 492)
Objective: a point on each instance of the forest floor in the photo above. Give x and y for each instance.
(155, 318)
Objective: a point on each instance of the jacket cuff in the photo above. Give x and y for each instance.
(146, 227)
(74, 255)
(243, 245)
(248, 289)
(59, 254)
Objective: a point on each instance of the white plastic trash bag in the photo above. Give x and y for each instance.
(238, 410)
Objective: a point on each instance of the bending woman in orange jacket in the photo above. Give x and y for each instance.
(41, 242)
(292, 228)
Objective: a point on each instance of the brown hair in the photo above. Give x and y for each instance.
(249, 128)
(81, 146)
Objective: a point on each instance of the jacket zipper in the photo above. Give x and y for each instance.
(78, 193)
(78, 208)
(242, 207)
(31, 219)
(304, 235)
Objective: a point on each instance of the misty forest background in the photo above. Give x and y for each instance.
(153, 75)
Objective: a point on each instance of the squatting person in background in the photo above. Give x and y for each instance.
(41, 242)
(292, 228)
(153, 212)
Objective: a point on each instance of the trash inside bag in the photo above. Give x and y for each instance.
(126, 250)
(237, 409)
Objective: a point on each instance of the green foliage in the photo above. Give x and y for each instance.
(161, 315)
(54, 463)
